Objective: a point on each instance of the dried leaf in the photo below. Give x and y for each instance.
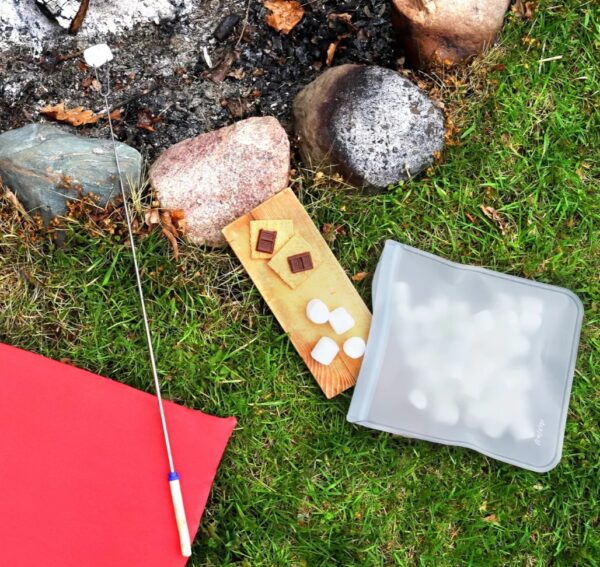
(345, 18)
(116, 114)
(218, 73)
(359, 277)
(146, 120)
(285, 14)
(178, 218)
(173, 242)
(78, 116)
(152, 217)
(238, 74)
(331, 52)
(525, 10)
(495, 216)
(237, 107)
(491, 518)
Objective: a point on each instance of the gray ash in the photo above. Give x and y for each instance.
(160, 74)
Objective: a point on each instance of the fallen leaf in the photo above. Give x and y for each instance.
(525, 10)
(237, 107)
(116, 114)
(173, 242)
(332, 48)
(495, 216)
(331, 52)
(285, 14)
(471, 218)
(152, 217)
(78, 116)
(178, 218)
(345, 18)
(359, 277)
(483, 506)
(238, 74)
(146, 120)
(491, 518)
(218, 73)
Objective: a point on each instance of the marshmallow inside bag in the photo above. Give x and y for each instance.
(418, 398)
(317, 311)
(97, 55)
(325, 351)
(341, 321)
(355, 347)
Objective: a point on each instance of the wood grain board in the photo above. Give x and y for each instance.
(328, 282)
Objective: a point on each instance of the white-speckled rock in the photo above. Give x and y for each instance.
(219, 176)
(369, 124)
(446, 31)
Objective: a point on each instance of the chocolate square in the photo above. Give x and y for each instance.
(266, 241)
(300, 262)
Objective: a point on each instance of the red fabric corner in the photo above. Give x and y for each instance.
(83, 468)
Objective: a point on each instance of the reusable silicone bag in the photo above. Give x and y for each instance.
(466, 356)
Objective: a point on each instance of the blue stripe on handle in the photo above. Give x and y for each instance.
(173, 476)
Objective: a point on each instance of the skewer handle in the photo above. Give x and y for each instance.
(182, 527)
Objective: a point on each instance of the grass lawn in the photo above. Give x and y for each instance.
(298, 484)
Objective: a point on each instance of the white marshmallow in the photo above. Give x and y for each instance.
(340, 320)
(446, 412)
(494, 428)
(97, 55)
(418, 398)
(325, 351)
(522, 429)
(531, 305)
(483, 320)
(317, 311)
(355, 347)
(531, 321)
(402, 297)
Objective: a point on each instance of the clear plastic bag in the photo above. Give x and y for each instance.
(465, 356)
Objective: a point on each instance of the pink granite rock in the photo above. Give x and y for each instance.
(446, 31)
(219, 176)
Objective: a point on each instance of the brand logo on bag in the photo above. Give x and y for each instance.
(539, 433)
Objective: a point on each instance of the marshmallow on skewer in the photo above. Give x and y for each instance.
(98, 55)
(355, 347)
(317, 311)
(325, 351)
(341, 321)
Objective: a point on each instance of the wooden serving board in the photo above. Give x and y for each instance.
(329, 283)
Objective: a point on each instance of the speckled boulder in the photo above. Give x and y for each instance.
(446, 31)
(369, 124)
(216, 177)
(47, 167)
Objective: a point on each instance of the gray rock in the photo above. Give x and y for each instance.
(46, 167)
(369, 124)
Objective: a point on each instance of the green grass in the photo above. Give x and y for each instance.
(298, 485)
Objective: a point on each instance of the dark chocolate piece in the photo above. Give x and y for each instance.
(266, 241)
(300, 262)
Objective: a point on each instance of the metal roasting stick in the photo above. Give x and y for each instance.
(184, 535)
